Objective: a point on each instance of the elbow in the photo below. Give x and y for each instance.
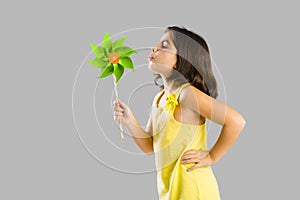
(238, 123)
(244, 122)
(241, 122)
(148, 152)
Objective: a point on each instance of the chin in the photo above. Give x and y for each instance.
(153, 67)
(159, 68)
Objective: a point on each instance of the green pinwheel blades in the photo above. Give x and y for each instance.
(99, 63)
(126, 62)
(108, 70)
(118, 71)
(98, 51)
(106, 42)
(118, 43)
(112, 57)
(125, 51)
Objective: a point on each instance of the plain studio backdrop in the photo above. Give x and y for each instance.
(58, 137)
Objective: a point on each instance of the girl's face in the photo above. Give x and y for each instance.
(163, 57)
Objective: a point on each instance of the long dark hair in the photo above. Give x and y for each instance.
(193, 61)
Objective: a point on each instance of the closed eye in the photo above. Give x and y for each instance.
(163, 45)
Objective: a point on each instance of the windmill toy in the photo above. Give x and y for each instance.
(112, 58)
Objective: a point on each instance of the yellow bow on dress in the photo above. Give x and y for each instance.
(171, 102)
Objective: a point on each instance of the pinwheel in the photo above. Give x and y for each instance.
(112, 58)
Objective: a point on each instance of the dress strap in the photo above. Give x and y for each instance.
(178, 90)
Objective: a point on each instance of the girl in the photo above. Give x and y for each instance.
(176, 129)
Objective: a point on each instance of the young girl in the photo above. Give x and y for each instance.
(176, 129)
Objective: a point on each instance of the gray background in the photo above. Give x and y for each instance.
(52, 149)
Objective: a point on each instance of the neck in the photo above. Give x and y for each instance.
(169, 86)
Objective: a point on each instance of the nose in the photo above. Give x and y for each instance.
(154, 49)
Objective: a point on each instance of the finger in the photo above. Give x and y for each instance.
(118, 109)
(193, 168)
(119, 119)
(122, 104)
(115, 106)
(193, 160)
(116, 103)
(198, 165)
(189, 156)
(192, 151)
(118, 113)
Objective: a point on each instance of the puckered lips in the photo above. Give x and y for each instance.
(150, 58)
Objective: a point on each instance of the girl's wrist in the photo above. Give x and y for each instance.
(130, 122)
(213, 159)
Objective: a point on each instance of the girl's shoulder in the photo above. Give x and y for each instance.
(187, 93)
(191, 97)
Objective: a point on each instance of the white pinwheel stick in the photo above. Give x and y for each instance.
(117, 98)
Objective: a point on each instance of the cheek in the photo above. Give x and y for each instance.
(173, 59)
(167, 59)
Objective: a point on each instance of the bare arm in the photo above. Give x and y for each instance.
(140, 136)
(233, 123)
(216, 111)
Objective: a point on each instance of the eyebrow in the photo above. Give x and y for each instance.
(165, 41)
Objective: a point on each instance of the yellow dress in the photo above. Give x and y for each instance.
(171, 139)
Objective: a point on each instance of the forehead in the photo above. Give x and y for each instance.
(167, 36)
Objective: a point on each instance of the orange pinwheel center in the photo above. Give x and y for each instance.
(114, 58)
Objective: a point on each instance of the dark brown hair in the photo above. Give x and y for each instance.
(193, 61)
